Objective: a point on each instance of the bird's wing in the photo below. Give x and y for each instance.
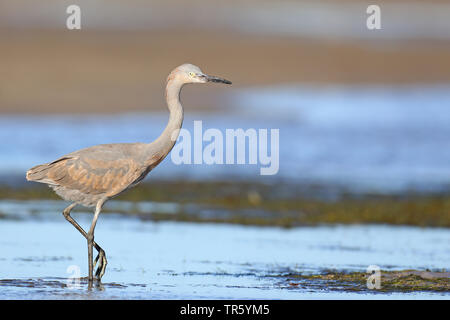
(90, 172)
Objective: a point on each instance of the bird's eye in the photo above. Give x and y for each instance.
(192, 74)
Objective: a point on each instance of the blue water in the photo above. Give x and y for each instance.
(166, 260)
(364, 138)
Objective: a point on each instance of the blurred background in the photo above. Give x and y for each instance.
(355, 106)
(364, 115)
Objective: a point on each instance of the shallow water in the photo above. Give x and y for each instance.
(168, 260)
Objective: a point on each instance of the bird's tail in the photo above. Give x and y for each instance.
(37, 173)
(42, 173)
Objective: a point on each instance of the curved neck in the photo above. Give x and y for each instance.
(165, 142)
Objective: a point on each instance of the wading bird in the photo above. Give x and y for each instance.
(91, 176)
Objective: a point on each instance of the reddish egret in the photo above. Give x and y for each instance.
(91, 176)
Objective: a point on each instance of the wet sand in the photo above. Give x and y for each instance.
(99, 71)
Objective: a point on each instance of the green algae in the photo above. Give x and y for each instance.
(390, 281)
(280, 205)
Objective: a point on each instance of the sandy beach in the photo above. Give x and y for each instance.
(103, 71)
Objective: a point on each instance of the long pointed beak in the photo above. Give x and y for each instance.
(215, 79)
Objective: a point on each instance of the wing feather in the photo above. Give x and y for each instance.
(92, 173)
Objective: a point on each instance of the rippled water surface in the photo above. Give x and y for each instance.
(167, 260)
(362, 138)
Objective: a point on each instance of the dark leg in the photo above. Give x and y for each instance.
(101, 253)
(90, 238)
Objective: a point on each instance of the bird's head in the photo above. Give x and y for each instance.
(188, 73)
